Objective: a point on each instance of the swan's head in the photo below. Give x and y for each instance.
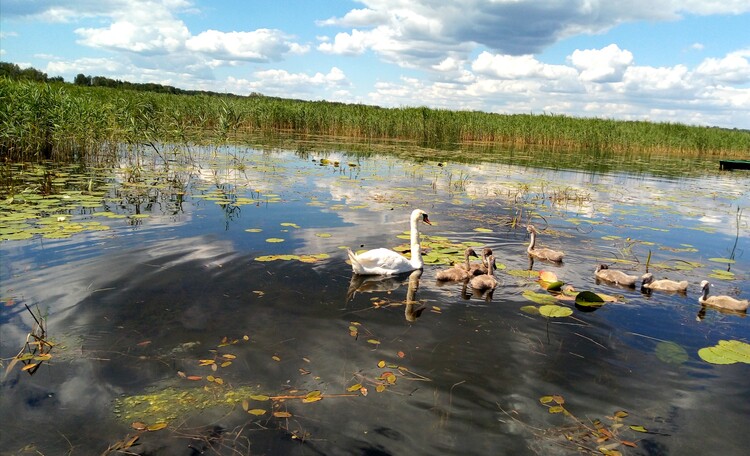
(416, 214)
(531, 229)
(647, 278)
(602, 266)
(705, 284)
(486, 252)
(470, 252)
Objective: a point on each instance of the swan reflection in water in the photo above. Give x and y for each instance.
(387, 284)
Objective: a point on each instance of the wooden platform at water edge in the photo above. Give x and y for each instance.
(734, 164)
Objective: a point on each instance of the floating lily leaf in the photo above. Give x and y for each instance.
(253, 230)
(721, 275)
(256, 412)
(555, 311)
(722, 260)
(726, 352)
(551, 286)
(671, 353)
(533, 310)
(523, 273)
(589, 299)
(156, 427)
(274, 240)
(539, 298)
(483, 230)
(548, 276)
(323, 235)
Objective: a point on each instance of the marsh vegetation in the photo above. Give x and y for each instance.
(67, 122)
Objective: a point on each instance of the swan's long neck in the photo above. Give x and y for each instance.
(416, 249)
(532, 242)
(704, 297)
(468, 265)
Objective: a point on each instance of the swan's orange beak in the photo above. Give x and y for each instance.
(426, 219)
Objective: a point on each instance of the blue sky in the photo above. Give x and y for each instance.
(660, 60)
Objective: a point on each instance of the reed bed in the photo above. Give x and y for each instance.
(63, 121)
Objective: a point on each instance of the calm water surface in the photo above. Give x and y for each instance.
(134, 309)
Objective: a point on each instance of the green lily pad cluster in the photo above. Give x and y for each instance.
(439, 250)
(27, 216)
(311, 258)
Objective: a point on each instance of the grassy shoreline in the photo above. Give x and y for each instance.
(68, 122)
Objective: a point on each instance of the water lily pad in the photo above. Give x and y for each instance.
(671, 353)
(726, 352)
(274, 240)
(722, 260)
(539, 298)
(555, 311)
(523, 273)
(533, 310)
(589, 299)
(721, 275)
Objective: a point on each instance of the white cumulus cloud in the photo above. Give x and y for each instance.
(602, 65)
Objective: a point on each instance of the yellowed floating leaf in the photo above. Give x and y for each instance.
(373, 341)
(259, 397)
(210, 378)
(219, 381)
(275, 358)
(380, 388)
(206, 362)
(157, 426)
(282, 414)
(354, 387)
(256, 412)
(245, 405)
(29, 366)
(228, 356)
(548, 276)
(381, 363)
(226, 364)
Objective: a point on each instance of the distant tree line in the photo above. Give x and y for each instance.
(13, 71)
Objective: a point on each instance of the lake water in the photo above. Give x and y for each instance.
(222, 281)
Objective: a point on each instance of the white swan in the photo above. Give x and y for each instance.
(542, 253)
(723, 302)
(384, 261)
